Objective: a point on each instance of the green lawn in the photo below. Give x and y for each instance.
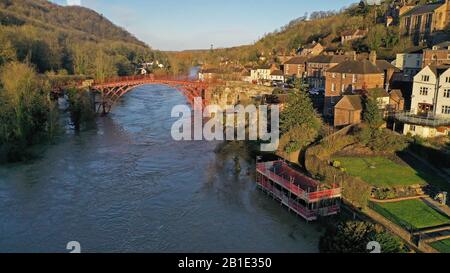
(412, 213)
(442, 246)
(382, 172)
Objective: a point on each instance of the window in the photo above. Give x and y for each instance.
(448, 57)
(342, 88)
(344, 76)
(333, 75)
(418, 64)
(354, 78)
(424, 91)
(447, 79)
(333, 87)
(412, 128)
(446, 93)
(446, 110)
(425, 78)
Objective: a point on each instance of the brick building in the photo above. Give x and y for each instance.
(296, 66)
(310, 50)
(423, 20)
(438, 55)
(350, 77)
(317, 66)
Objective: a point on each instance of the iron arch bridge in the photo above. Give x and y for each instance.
(111, 90)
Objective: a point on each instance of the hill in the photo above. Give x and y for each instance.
(325, 27)
(68, 40)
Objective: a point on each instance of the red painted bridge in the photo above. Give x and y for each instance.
(111, 90)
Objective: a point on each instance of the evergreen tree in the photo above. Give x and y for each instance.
(299, 111)
(372, 114)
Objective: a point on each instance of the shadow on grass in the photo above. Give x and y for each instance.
(429, 175)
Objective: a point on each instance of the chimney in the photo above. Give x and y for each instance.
(373, 57)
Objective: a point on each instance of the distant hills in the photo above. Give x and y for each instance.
(325, 27)
(69, 39)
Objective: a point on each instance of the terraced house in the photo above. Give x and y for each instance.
(318, 66)
(422, 21)
(430, 108)
(296, 66)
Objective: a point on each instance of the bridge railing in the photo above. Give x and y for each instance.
(151, 77)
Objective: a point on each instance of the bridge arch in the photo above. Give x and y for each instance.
(111, 90)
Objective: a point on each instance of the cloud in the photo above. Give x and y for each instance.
(74, 2)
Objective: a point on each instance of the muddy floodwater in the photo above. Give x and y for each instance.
(126, 186)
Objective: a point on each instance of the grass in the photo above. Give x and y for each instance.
(383, 172)
(442, 246)
(412, 213)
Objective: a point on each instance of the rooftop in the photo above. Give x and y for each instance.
(423, 9)
(354, 100)
(385, 65)
(439, 69)
(297, 60)
(356, 67)
(277, 73)
(329, 59)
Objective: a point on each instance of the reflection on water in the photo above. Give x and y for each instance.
(128, 187)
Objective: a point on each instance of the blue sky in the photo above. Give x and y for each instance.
(196, 24)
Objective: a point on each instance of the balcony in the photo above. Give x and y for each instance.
(421, 120)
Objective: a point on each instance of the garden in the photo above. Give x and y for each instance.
(411, 214)
(442, 246)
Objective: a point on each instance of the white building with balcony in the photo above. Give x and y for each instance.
(430, 106)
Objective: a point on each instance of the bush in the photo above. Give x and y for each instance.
(353, 237)
(381, 140)
(27, 115)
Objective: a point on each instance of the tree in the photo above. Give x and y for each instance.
(353, 237)
(376, 37)
(7, 51)
(299, 111)
(27, 114)
(372, 114)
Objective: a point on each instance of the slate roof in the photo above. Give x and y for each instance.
(329, 59)
(439, 69)
(355, 101)
(297, 60)
(385, 65)
(356, 67)
(423, 9)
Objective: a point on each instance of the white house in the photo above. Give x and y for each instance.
(277, 76)
(262, 73)
(410, 63)
(209, 74)
(430, 105)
